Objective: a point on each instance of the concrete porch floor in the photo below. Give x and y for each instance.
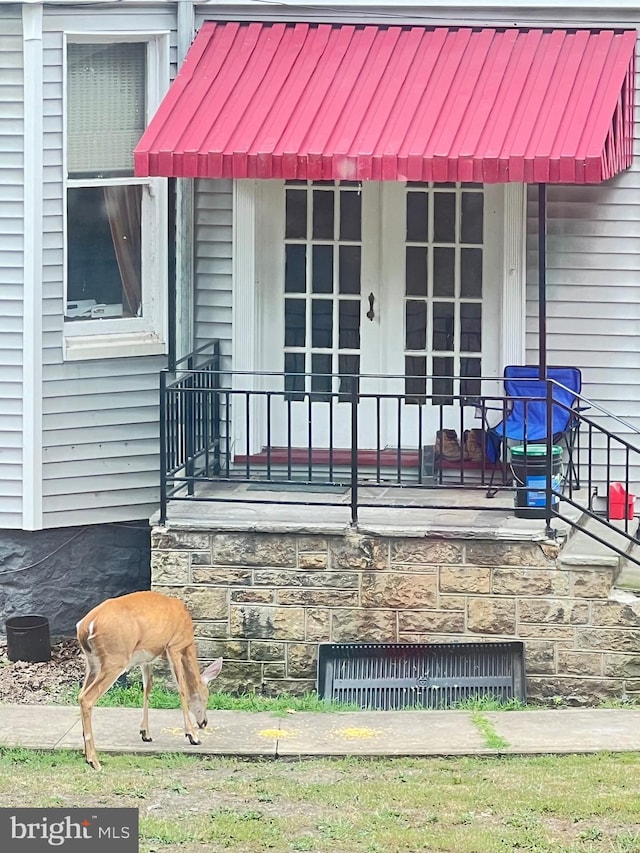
(443, 512)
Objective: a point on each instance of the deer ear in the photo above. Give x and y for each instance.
(212, 671)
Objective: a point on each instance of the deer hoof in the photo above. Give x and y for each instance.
(193, 740)
(145, 737)
(202, 725)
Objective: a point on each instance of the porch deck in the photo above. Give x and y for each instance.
(446, 513)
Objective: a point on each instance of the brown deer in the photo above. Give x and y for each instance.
(140, 628)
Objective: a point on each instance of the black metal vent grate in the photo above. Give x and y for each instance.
(392, 676)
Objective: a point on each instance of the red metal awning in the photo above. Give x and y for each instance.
(397, 103)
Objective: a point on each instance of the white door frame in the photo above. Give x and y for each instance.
(249, 302)
(514, 266)
(246, 328)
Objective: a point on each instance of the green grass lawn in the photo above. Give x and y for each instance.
(569, 804)
(165, 696)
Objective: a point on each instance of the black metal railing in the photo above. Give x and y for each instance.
(610, 470)
(189, 423)
(223, 427)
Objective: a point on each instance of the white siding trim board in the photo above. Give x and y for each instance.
(32, 17)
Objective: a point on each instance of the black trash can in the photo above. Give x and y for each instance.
(529, 469)
(28, 639)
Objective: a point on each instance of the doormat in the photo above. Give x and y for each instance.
(319, 488)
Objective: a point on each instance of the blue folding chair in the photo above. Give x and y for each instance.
(526, 418)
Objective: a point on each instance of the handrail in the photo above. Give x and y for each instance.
(190, 357)
(201, 403)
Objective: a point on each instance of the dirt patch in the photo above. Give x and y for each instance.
(50, 683)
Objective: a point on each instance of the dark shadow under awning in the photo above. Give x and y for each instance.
(398, 103)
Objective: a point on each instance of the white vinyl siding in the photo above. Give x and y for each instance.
(213, 264)
(593, 293)
(100, 417)
(11, 267)
(593, 287)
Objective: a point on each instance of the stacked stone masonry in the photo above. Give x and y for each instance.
(265, 601)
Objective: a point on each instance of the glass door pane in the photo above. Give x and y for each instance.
(443, 290)
(323, 273)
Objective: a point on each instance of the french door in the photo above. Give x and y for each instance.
(375, 287)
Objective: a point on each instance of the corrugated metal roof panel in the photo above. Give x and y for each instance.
(329, 102)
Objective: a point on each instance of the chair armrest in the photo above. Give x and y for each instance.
(479, 403)
(482, 408)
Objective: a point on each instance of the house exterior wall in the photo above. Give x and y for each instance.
(99, 432)
(265, 601)
(11, 266)
(100, 417)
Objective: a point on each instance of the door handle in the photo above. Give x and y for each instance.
(371, 312)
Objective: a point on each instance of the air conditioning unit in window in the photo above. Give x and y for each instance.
(103, 310)
(80, 308)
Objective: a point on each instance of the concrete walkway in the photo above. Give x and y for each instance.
(370, 733)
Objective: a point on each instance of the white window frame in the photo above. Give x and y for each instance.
(147, 334)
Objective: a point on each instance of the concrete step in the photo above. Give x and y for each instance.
(582, 549)
(629, 577)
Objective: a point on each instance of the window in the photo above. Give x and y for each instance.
(116, 224)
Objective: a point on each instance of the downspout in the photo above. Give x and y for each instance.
(32, 381)
(542, 350)
(183, 331)
(542, 280)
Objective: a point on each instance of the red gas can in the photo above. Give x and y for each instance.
(621, 503)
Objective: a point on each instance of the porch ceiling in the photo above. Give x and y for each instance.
(343, 102)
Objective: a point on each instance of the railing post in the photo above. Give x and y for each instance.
(217, 428)
(163, 447)
(354, 451)
(549, 532)
(189, 424)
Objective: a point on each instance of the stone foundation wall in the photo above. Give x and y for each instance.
(265, 601)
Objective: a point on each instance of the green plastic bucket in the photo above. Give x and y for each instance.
(529, 470)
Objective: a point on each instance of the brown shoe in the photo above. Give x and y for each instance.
(448, 446)
(473, 445)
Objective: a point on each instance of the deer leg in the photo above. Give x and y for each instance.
(147, 683)
(177, 667)
(89, 676)
(97, 682)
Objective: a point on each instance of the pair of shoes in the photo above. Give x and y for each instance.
(447, 445)
(474, 446)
